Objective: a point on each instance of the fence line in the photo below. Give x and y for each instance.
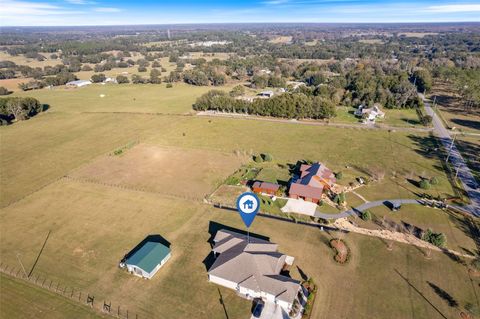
(143, 190)
(74, 294)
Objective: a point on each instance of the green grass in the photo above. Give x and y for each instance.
(457, 228)
(136, 98)
(394, 117)
(93, 226)
(272, 173)
(22, 300)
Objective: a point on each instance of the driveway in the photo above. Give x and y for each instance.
(456, 159)
(272, 311)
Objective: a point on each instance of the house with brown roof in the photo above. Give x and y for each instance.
(313, 181)
(265, 187)
(252, 267)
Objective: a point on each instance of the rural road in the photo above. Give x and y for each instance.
(366, 206)
(464, 174)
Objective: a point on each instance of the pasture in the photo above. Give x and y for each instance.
(93, 225)
(189, 173)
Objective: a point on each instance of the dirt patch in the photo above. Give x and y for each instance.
(12, 84)
(187, 173)
(342, 252)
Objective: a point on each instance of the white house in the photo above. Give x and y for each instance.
(252, 268)
(78, 83)
(369, 114)
(147, 259)
(266, 94)
(110, 80)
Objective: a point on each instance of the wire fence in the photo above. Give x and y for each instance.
(103, 306)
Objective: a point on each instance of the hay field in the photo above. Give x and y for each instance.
(179, 172)
(93, 226)
(135, 98)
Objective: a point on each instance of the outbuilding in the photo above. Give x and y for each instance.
(147, 259)
(265, 187)
(78, 83)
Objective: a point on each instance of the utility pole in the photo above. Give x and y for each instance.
(451, 146)
(456, 173)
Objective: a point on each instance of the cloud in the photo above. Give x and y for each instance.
(450, 8)
(13, 7)
(80, 2)
(107, 9)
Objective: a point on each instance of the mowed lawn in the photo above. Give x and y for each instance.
(22, 300)
(93, 226)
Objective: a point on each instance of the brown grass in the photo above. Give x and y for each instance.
(190, 173)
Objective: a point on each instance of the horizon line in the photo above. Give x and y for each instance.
(235, 23)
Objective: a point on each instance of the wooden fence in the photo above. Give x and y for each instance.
(86, 299)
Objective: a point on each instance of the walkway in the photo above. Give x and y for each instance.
(456, 159)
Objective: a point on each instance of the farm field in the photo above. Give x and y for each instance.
(134, 98)
(93, 226)
(22, 60)
(114, 220)
(22, 300)
(188, 173)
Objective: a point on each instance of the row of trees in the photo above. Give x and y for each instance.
(288, 105)
(18, 108)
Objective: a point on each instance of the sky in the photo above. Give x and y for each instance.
(122, 12)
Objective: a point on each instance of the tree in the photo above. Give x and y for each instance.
(323, 108)
(98, 78)
(366, 215)
(423, 80)
(137, 79)
(258, 158)
(425, 184)
(437, 239)
(155, 76)
(434, 180)
(339, 175)
(426, 120)
(122, 79)
(237, 91)
(142, 69)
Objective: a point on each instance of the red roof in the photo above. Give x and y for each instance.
(266, 185)
(305, 191)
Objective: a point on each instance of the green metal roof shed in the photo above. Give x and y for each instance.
(146, 261)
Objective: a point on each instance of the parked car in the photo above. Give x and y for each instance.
(257, 312)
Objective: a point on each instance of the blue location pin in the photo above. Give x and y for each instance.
(248, 205)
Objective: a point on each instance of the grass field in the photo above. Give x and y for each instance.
(22, 300)
(113, 221)
(145, 98)
(458, 229)
(22, 60)
(163, 170)
(451, 108)
(93, 226)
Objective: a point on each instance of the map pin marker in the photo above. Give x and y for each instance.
(248, 205)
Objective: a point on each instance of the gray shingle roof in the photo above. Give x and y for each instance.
(255, 265)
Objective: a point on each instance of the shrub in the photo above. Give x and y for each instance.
(339, 175)
(97, 78)
(169, 85)
(425, 184)
(232, 180)
(142, 69)
(434, 181)
(121, 79)
(258, 158)
(4, 91)
(437, 239)
(267, 157)
(366, 215)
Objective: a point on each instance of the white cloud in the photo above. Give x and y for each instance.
(14, 7)
(450, 8)
(107, 9)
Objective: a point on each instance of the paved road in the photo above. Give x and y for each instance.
(366, 206)
(464, 174)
